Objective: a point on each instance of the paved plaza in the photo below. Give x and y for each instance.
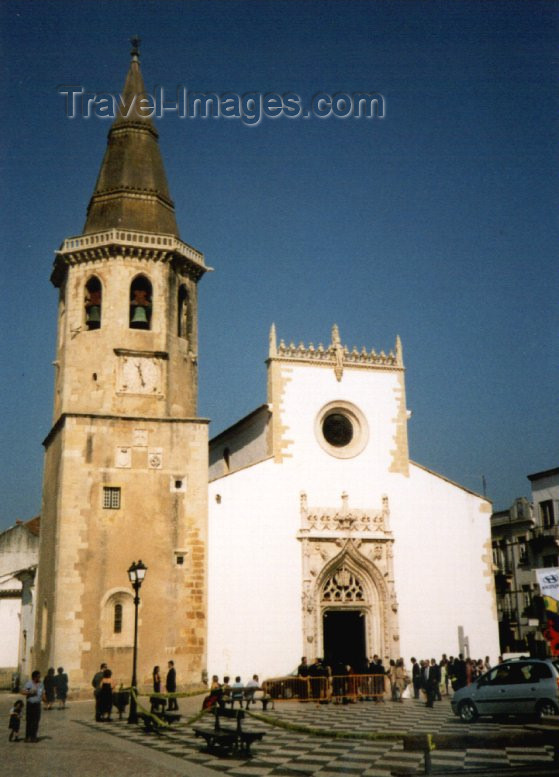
(73, 745)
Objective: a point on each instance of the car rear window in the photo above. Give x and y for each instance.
(539, 672)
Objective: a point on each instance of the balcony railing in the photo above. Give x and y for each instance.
(543, 532)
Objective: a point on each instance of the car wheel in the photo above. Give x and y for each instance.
(546, 709)
(467, 711)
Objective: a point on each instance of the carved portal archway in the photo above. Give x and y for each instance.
(347, 565)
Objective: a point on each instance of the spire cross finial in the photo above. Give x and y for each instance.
(135, 41)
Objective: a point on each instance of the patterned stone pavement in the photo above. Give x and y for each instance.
(285, 753)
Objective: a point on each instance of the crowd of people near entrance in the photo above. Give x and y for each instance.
(428, 679)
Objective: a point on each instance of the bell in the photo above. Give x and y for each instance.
(94, 317)
(139, 318)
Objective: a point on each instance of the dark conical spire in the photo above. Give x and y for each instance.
(131, 191)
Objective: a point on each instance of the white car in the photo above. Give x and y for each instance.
(526, 686)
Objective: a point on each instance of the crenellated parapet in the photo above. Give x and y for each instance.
(335, 354)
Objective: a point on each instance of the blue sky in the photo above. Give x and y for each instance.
(437, 223)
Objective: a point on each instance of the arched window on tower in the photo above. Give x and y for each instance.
(117, 619)
(117, 624)
(140, 303)
(183, 312)
(93, 300)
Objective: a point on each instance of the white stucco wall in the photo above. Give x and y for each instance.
(19, 550)
(442, 567)
(9, 628)
(254, 574)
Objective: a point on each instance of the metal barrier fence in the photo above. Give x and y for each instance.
(336, 688)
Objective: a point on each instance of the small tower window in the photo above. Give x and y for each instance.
(140, 303)
(117, 626)
(93, 299)
(111, 498)
(183, 312)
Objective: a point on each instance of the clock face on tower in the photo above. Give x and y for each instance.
(140, 375)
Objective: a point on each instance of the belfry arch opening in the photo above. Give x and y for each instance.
(93, 301)
(140, 303)
(344, 638)
(184, 317)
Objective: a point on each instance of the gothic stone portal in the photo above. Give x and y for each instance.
(348, 600)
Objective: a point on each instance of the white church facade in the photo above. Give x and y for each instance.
(325, 540)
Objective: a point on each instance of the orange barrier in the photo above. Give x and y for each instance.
(337, 688)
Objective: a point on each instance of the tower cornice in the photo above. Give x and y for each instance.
(111, 243)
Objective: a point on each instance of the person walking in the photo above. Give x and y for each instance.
(171, 685)
(34, 692)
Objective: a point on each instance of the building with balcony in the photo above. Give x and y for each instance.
(525, 538)
(544, 540)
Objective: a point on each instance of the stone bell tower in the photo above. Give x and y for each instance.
(125, 474)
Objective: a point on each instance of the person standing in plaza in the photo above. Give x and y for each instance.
(432, 680)
(399, 679)
(416, 677)
(61, 686)
(34, 692)
(378, 671)
(156, 680)
(171, 685)
(459, 672)
(15, 721)
(50, 687)
(303, 674)
(443, 663)
(106, 688)
(96, 683)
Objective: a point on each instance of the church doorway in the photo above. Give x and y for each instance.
(344, 637)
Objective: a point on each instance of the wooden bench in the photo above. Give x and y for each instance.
(223, 739)
(247, 695)
(158, 717)
(531, 737)
(264, 698)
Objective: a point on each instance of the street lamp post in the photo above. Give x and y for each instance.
(136, 575)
